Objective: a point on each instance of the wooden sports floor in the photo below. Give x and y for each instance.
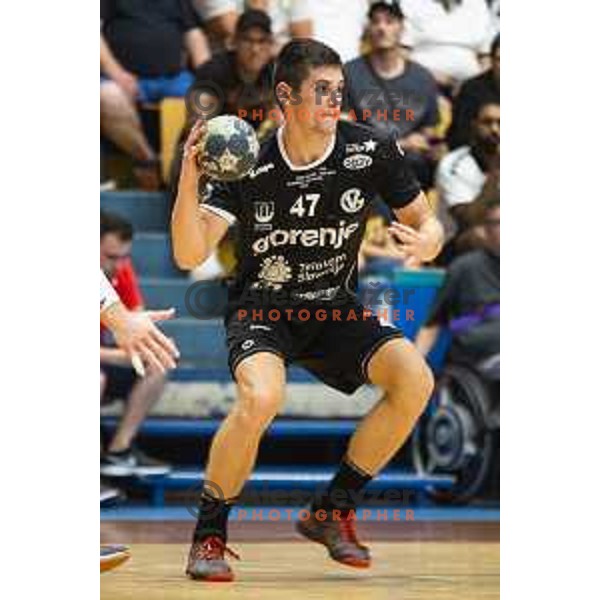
(419, 560)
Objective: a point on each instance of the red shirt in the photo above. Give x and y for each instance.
(127, 287)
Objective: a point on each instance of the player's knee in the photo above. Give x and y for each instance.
(421, 385)
(412, 386)
(258, 405)
(426, 384)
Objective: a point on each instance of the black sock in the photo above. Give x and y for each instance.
(341, 492)
(212, 517)
(120, 452)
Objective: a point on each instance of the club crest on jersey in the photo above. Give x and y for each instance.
(264, 212)
(352, 200)
(357, 161)
(274, 272)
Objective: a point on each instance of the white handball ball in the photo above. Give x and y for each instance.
(229, 149)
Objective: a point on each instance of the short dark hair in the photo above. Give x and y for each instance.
(298, 56)
(250, 19)
(113, 223)
(495, 45)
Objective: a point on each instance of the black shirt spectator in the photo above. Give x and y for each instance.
(238, 81)
(223, 73)
(473, 94)
(147, 38)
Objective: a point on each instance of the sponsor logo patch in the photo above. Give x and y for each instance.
(324, 236)
(260, 170)
(357, 161)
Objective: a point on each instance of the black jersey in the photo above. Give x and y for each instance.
(300, 228)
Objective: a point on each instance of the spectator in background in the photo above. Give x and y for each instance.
(238, 80)
(143, 51)
(469, 301)
(290, 19)
(118, 379)
(384, 85)
(472, 95)
(339, 24)
(219, 17)
(451, 38)
(467, 178)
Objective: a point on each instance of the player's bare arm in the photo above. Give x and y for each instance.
(418, 231)
(196, 232)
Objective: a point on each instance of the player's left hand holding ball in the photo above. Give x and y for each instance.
(192, 165)
(414, 246)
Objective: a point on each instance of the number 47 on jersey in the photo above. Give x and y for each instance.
(305, 205)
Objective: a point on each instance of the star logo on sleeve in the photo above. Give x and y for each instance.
(370, 145)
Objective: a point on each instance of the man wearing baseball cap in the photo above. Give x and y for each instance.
(239, 79)
(391, 6)
(391, 93)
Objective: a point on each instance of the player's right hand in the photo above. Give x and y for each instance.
(192, 159)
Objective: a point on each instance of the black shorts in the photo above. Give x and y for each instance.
(119, 382)
(333, 346)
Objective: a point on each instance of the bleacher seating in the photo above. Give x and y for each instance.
(301, 477)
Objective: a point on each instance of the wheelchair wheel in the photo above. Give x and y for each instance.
(452, 437)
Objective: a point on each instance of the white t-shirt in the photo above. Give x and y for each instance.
(285, 12)
(211, 9)
(340, 24)
(459, 180)
(108, 296)
(447, 42)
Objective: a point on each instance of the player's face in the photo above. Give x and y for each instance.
(492, 229)
(254, 49)
(113, 251)
(384, 30)
(487, 126)
(321, 99)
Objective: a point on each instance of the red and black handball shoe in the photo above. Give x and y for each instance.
(337, 532)
(207, 562)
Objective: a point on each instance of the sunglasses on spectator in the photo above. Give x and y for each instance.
(492, 222)
(490, 121)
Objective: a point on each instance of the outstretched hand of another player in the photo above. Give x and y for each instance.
(191, 164)
(145, 343)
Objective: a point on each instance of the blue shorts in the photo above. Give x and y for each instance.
(154, 89)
